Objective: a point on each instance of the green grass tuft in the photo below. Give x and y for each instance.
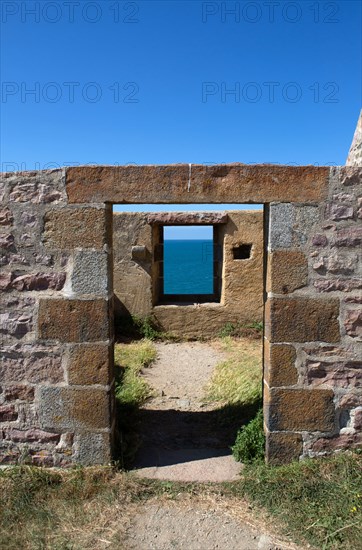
(131, 392)
(317, 500)
(130, 359)
(237, 330)
(237, 381)
(249, 445)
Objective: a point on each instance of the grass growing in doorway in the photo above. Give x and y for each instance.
(238, 379)
(130, 360)
(131, 392)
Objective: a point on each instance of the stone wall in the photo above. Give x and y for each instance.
(241, 298)
(355, 153)
(313, 337)
(56, 343)
(56, 371)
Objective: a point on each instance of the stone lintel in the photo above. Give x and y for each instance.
(187, 218)
(184, 184)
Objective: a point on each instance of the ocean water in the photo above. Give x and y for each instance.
(188, 266)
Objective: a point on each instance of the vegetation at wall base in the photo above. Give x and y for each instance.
(249, 446)
(316, 501)
(131, 392)
(252, 330)
(134, 327)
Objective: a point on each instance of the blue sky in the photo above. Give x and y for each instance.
(158, 82)
(174, 232)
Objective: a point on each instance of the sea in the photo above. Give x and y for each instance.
(188, 266)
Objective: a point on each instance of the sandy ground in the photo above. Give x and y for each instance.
(180, 438)
(187, 524)
(182, 441)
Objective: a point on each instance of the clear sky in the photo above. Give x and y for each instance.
(174, 232)
(158, 82)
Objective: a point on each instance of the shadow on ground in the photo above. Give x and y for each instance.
(148, 437)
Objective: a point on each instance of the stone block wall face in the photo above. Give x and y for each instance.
(242, 280)
(313, 333)
(56, 379)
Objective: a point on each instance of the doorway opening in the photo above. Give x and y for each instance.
(189, 309)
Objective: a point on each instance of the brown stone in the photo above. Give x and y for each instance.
(348, 236)
(8, 413)
(319, 240)
(39, 187)
(336, 353)
(21, 393)
(353, 299)
(90, 364)
(339, 212)
(299, 409)
(91, 409)
(350, 401)
(16, 324)
(34, 365)
(185, 218)
(302, 320)
(279, 363)
(336, 264)
(350, 175)
(347, 374)
(288, 270)
(282, 448)
(344, 197)
(44, 369)
(73, 320)
(338, 442)
(206, 184)
(32, 435)
(6, 241)
(353, 323)
(74, 408)
(332, 285)
(67, 228)
(6, 216)
(357, 422)
(5, 280)
(39, 281)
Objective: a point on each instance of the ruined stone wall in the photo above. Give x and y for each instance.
(56, 343)
(355, 153)
(242, 280)
(56, 359)
(313, 340)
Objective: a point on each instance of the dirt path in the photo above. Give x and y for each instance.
(200, 524)
(185, 439)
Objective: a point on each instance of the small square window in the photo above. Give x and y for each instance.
(242, 252)
(189, 268)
